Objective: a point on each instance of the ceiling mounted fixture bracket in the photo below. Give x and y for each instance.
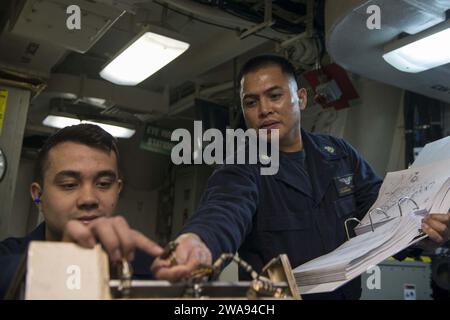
(268, 22)
(309, 31)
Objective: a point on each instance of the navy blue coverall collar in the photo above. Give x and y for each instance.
(321, 165)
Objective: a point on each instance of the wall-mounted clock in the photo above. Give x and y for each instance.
(2, 164)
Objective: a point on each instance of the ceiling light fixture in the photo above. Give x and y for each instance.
(142, 57)
(63, 121)
(420, 52)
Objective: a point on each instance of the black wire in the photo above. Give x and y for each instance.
(320, 43)
(249, 16)
(215, 24)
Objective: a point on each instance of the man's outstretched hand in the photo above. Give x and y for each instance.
(115, 235)
(191, 252)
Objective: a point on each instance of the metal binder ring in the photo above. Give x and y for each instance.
(370, 216)
(346, 226)
(401, 200)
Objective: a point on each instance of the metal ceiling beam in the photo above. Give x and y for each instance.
(131, 98)
(267, 23)
(221, 48)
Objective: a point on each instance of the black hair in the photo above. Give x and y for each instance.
(87, 134)
(265, 60)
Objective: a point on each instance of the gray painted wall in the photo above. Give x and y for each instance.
(371, 125)
(11, 138)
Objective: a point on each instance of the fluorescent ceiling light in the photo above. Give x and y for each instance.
(142, 58)
(62, 122)
(115, 131)
(95, 101)
(422, 51)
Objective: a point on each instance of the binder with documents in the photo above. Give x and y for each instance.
(391, 225)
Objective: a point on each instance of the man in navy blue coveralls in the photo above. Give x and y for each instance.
(76, 189)
(300, 211)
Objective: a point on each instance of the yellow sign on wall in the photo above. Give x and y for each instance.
(3, 98)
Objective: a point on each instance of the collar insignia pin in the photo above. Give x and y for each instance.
(329, 149)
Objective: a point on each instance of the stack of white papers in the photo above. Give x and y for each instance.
(433, 152)
(357, 255)
(387, 229)
(427, 187)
